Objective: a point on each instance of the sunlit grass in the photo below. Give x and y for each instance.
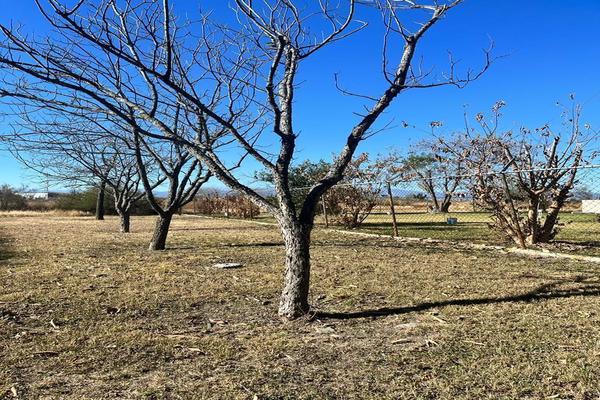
(88, 313)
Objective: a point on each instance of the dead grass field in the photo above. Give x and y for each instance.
(87, 313)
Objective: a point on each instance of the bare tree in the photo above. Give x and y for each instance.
(223, 78)
(100, 200)
(106, 119)
(78, 150)
(532, 170)
(184, 174)
(51, 169)
(439, 176)
(76, 155)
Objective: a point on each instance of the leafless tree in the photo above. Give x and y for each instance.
(72, 140)
(184, 175)
(533, 170)
(435, 173)
(231, 82)
(51, 168)
(106, 120)
(78, 150)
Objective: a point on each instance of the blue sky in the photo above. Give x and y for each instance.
(551, 46)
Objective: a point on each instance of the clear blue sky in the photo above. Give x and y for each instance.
(552, 48)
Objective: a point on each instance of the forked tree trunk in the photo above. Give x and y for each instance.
(436, 204)
(549, 229)
(445, 207)
(100, 202)
(161, 231)
(124, 221)
(533, 220)
(294, 298)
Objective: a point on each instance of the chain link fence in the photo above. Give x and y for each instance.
(435, 207)
(441, 208)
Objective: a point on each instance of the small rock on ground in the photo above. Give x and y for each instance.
(227, 265)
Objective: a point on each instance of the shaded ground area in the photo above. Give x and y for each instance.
(87, 313)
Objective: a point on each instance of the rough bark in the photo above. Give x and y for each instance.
(124, 221)
(445, 207)
(533, 219)
(100, 202)
(161, 230)
(294, 297)
(549, 229)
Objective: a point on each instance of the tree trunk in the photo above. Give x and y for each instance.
(533, 220)
(294, 298)
(125, 224)
(161, 231)
(436, 204)
(445, 207)
(100, 202)
(549, 229)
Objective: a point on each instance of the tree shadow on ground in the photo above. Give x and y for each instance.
(5, 252)
(586, 243)
(221, 228)
(254, 244)
(543, 292)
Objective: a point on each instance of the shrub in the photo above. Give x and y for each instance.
(231, 205)
(209, 203)
(10, 200)
(83, 201)
(350, 205)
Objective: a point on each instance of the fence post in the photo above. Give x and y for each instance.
(226, 205)
(392, 209)
(325, 212)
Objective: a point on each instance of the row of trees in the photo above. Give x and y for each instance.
(130, 96)
(522, 178)
(116, 80)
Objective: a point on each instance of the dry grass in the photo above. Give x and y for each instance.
(49, 213)
(87, 313)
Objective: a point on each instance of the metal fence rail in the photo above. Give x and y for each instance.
(411, 208)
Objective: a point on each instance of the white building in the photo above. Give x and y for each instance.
(36, 195)
(590, 206)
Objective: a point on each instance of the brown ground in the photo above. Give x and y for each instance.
(87, 313)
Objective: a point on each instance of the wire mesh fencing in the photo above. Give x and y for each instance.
(445, 207)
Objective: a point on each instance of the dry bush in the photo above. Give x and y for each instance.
(209, 203)
(351, 205)
(240, 207)
(230, 205)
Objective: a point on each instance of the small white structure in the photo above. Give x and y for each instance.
(227, 265)
(590, 206)
(35, 195)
